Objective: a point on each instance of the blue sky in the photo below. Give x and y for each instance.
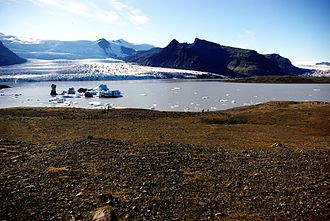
(297, 29)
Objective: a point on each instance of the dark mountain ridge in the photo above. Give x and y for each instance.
(211, 57)
(7, 57)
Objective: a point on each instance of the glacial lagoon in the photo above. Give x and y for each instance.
(165, 95)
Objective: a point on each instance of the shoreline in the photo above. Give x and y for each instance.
(256, 79)
(282, 80)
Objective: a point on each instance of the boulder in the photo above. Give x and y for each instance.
(53, 90)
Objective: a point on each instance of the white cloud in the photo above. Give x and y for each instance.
(118, 11)
(87, 9)
(118, 5)
(137, 18)
(132, 14)
(108, 17)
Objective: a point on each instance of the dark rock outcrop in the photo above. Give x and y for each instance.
(323, 63)
(2, 86)
(211, 57)
(127, 51)
(105, 45)
(53, 90)
(7, 57)
(285, 64)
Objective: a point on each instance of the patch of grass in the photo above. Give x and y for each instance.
(226, 121)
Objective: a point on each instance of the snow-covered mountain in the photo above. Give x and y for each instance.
(82, 49)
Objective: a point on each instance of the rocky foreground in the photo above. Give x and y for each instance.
(247, 163)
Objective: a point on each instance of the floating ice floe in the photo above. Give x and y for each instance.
(205, 97)
(233, 101)
(17, 95)
(95, 103)
(102, 91)
(223, 100)
(67, 103)
(316, 89)
(57, 99)
(71, 96)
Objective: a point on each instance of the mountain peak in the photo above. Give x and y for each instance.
(204, 43)
(174, 42)
(103, 43)
(198, 40)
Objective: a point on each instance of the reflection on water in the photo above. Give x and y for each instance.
(170, 95)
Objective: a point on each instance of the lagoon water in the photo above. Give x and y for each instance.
(167, 95)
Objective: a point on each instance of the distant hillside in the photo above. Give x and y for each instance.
(7, 57)
(207, 56)
(323, 63)
(285, 64)
(82, 49)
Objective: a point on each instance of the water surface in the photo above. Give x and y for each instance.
(169, 95)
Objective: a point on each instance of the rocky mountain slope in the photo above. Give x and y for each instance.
(7, 57)
(207, 56)
(285, 64)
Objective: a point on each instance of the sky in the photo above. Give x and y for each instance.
(296, 29)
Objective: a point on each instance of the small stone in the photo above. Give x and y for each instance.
(277, 145)
(220, 214)
(104, 214)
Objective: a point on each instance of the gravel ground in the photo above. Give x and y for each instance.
(161, 181)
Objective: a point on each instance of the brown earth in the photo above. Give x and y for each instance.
(265, 162)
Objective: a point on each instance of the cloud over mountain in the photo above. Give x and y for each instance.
(110, 11)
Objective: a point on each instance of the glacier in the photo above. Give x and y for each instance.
(35, 70)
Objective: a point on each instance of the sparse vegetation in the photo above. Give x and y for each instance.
(150, 165)
(282, 79)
